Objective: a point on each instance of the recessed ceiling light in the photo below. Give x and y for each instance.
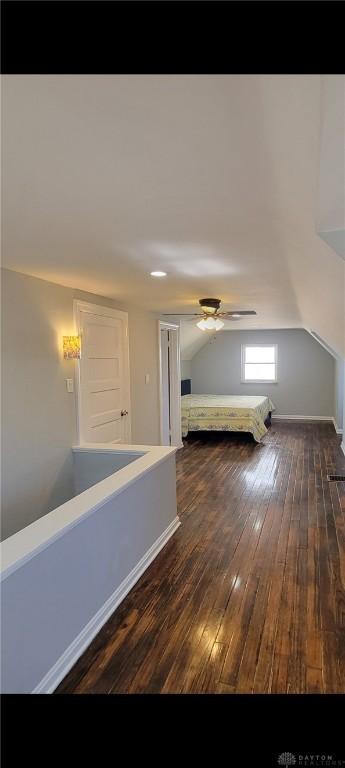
(158, 274)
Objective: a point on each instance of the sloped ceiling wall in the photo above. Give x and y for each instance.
(331, 192)
(317, 274)
(212, 178)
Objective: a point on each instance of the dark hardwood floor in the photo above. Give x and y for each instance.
(249, 594)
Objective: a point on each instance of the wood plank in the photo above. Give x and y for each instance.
(209, 676)
(248, 596)
(314, 682)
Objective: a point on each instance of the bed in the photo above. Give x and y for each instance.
(228, 413)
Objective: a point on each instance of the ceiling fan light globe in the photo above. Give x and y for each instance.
(210, 324)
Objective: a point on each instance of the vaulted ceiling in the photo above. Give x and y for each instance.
(213, 179)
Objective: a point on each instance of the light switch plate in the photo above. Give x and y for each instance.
(147, 378)
(69, 385)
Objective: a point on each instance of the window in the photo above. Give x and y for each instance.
(259, 363)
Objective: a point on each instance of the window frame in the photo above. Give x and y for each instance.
(258, 381)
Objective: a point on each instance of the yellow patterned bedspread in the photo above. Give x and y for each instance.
(228, 413)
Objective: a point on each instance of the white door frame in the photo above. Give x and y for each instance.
(175, 383)
(98, 309)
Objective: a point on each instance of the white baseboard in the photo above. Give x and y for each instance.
(60, 669)
(338, 430)
(343, 447)
(302, 418)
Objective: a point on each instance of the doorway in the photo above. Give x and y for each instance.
(170, 384)
(103, 374)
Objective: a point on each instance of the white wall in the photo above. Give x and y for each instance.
(306, 372)
(39, 415)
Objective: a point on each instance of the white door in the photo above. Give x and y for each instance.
(165, 387)
(169, 384)
(103, 391)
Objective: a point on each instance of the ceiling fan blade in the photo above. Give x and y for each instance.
(239, 312)
(178, 314)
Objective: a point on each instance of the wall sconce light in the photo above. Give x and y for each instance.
(71, 347)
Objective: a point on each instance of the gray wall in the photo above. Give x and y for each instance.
(343, 440)
(39, 415)
(47, 602)
(306, 372)
(186, 369)
(91, 467)
(143, 358)
(339, 392)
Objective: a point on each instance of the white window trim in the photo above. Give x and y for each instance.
(258, 381)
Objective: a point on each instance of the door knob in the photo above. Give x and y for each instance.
(124, 413)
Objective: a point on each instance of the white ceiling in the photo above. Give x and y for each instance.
(210, 178)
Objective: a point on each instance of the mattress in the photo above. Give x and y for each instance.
(228, 413)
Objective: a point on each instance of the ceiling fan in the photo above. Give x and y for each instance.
(211, 315)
